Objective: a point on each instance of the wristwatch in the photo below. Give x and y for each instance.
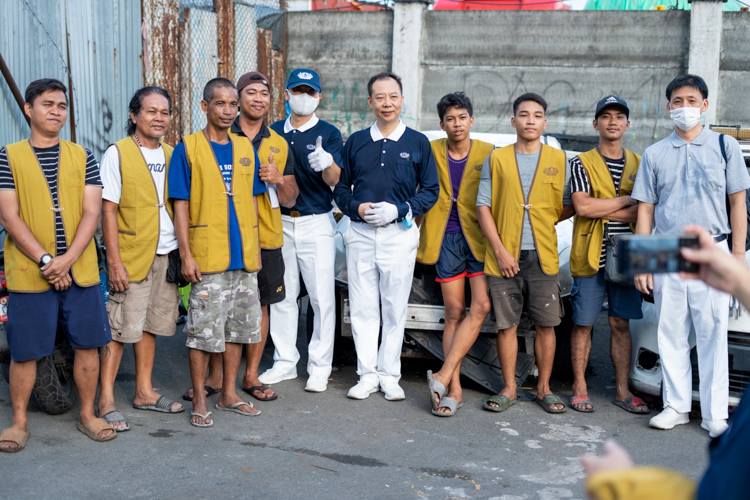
(46, 259)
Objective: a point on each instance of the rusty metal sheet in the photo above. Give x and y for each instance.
(272, 64)
(225, 37)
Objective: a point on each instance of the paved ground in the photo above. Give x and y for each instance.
(327, 446)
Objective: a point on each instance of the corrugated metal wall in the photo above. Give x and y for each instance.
(105, 62)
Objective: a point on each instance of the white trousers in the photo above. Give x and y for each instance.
(681, 304)
(380, 265)
(308, 249)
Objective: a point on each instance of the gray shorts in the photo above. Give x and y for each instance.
(540, 293)
(224, 307)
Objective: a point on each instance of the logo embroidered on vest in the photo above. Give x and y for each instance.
(478, 168)
(274, 149)
(550, 171)
(311, 147)
(632, 178)
(405, 155)
(245, 161)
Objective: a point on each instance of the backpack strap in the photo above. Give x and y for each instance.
(723, 148)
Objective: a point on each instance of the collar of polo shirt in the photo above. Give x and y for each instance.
(700, 140)
(304, 128)
(394, 136)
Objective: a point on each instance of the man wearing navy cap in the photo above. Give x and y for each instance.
(600, 185)
(388, 178)
(308, 235)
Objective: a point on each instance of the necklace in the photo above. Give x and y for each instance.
(137, 140)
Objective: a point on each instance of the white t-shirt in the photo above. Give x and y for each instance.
(110, 174)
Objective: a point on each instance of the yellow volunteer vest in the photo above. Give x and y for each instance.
(35, 209)
(209, 204)
(586, 249)
(435, 221)
(271, 229)
(545, 205)
(138, 222)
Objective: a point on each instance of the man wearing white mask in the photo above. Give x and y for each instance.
(686, 179)
(308, 235)
(388, 178)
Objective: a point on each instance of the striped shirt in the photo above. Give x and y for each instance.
(579, 181)
(49, 160)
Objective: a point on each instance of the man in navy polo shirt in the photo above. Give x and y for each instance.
(308, 235)
(389, 176)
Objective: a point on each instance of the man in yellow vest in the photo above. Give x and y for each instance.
(519, 202)
(139, 235)
(451, 239)
(213, 180)
(601, 181)
(50, 205)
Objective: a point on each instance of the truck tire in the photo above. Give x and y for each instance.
(54, 388)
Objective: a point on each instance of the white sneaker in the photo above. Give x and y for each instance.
(668, 418)
(275, 375)
(316, 384)
(393, 392)
(362, 390)
(715, 428)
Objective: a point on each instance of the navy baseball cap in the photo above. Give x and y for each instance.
(612, 101)
(303, 76)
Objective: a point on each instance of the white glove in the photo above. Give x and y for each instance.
(319, 160)
(381, 214)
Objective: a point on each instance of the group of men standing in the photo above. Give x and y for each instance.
(242, 211)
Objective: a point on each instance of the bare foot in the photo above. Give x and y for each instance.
(456, 394)
(143, 398)
(508, 392)
(581, 390)
(226, 402)
(540, 395)
(106, 407)
(201, 408)
(103, 432)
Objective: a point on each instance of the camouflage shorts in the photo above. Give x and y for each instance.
(224, 307)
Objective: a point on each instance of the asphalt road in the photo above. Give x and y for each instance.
(327, 446)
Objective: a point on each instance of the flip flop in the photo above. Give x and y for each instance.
(13, 435)
(210, 390)
(631, 405)
(581, 399)
(116, 416)
(163, 405)
(260, 388)
(93, 427)
(233, 408)
(449, 403)
(204, 417)
(435, 386)
(550, 399)
(503, 402)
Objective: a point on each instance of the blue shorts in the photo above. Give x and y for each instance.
(456, 260)
(587, 297)
(33, 319)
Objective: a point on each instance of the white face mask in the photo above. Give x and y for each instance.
(302, 104)
(686, 117)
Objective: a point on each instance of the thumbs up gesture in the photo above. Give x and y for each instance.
(269, 172)
(319, 160)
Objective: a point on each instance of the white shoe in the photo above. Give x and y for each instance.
(668, 418)
(275, 375)
(316, 384)
(715, 428)
(393, 392)
(362, 390)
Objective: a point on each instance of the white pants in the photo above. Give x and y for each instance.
(308, 249)
(680, 304)
(380, 265)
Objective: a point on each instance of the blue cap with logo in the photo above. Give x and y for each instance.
(303, 76)
(612, 101)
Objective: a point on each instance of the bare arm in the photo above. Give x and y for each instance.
(190, 269)
(568, 212)
(645, 282)
(598, 208)
(629, 215)
(118, 275)
(287, 191)
(738, 223)
(508, 264)
(331, 174)
(17, 228)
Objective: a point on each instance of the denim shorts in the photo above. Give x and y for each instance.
(587, 297)
(456, 260)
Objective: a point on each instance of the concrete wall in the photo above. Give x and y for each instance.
(734, 75)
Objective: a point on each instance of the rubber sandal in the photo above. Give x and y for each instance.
(233, 408)
(163, 405)
(435, 386)
(449, 403)
(550, 399)
(209, 390)
(260, 388)
(115, 416)
(204, 417)
(13, 435)
(93, 427)
(503, 402)
(581, 399)
(631, 405)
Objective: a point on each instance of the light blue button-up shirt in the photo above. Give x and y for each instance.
(689, 182)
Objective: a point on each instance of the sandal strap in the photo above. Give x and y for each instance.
(164, 403)
(449, 403)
